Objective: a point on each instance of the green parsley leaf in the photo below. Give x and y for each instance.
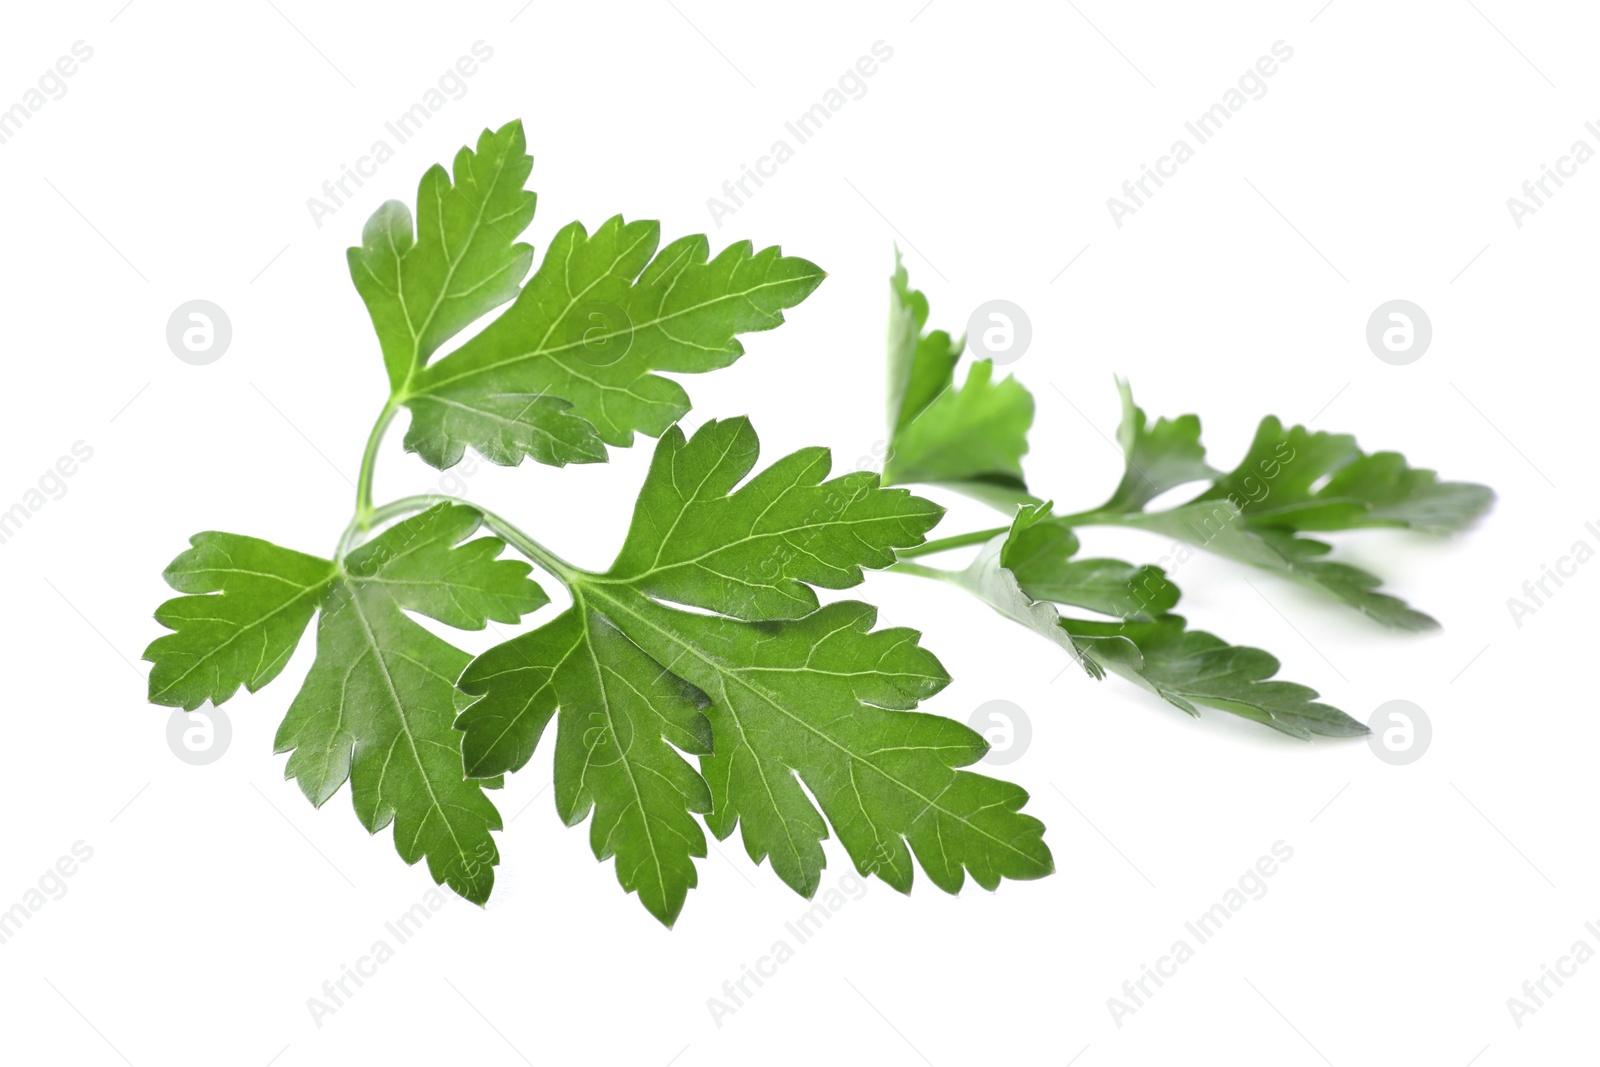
(1289, 480)
(247, 603)
(463, 261)
(570, 366)
(755, 551)
(1325, 482)
(378, 705)
(1143, 642)
(990, 579)
(622, 717)
(921, 366)
(791, 693)
(970, 439)
(1039, 551)
(1160, 456)
(1188, 667)
(599, 317)
(426, 565)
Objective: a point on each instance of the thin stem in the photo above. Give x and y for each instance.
(1089, 518)
(977, 537)
(557, 567)
(367, 516)
(360, 525)
(907, 567)
(369, 458)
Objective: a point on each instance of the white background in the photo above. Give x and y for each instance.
(1377, 166)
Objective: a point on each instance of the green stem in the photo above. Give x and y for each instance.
(367, 516)
(907, 567)
(557, 567)
(943, 544)
(1089, 518)
(980, 536)
(369, 458)
(360, 525)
